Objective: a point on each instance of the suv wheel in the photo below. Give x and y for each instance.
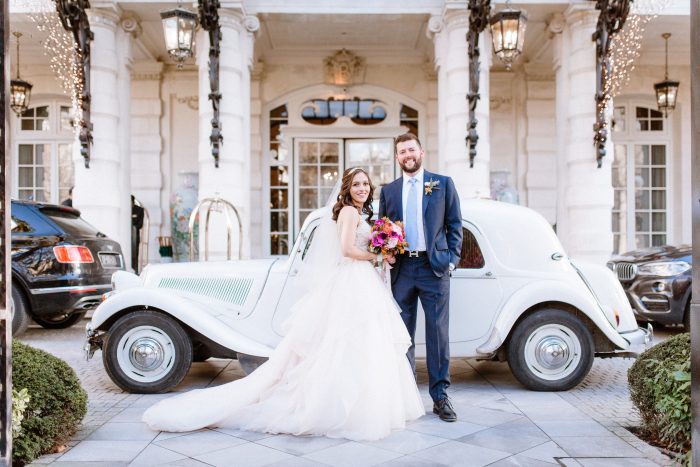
(20, 312)
(61, 321)
(550, 350)
(147, 352)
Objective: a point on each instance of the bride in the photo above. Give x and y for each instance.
(341, 370)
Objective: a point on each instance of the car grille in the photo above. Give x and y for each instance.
(625, 271)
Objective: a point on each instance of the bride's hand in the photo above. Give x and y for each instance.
(390, 258)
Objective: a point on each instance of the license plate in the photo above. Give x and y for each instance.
(110, 260)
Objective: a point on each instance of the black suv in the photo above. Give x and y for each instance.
(61, 265)
(657, 281)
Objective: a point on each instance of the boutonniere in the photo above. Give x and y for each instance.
(431, 185)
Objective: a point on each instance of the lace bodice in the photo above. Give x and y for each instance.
(362, 235)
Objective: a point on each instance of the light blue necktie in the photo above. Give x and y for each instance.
(412, 216)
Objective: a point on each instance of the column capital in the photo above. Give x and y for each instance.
(556, 24)
(583, 13)
(108, 17)
(236, 17)
(131, 23)
(455, 19)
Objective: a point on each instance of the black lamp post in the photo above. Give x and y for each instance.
(20, 90)
(508, 34)
(666, 90)
(478, 20)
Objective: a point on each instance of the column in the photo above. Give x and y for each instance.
(452, 64)
(147, 145)
(585, 192)
(101, 192)
(232, 179)
(540, 141)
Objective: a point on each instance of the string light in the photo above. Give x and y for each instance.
(62, 53)
(626, 45)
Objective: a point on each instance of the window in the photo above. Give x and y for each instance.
(327, 112)
(639, 179)
(279, 184)
(43, 153)
(470, 257)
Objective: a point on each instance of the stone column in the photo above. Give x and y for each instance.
(585, 192)
(147, 145)
(231, 180)
(452, 64)
(540, 141)
(101, 192)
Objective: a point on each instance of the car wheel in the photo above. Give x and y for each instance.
(20, 313)
(550, 350)
(147, 352)
(61, 321)
(250, 363)
(200, 352)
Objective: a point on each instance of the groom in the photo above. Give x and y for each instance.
(428, 205)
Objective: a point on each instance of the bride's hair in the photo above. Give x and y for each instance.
(345, 199)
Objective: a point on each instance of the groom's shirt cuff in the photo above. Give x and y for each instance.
(452, 267)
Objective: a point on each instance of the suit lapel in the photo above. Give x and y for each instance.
(398, 193)
(427, 176)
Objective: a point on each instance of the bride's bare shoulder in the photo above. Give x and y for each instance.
(348, 212)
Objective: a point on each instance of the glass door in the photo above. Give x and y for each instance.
(318, 165)
(374, 155)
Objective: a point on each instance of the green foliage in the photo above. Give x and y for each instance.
(660, 388)
(57, 402)
(20, 400)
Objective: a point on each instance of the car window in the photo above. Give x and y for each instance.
(20, 225)
(69, 222)
(471, 257)
(308, 243)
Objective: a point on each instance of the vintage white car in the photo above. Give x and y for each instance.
(515, 296)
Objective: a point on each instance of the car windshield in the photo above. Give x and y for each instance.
(71, 223)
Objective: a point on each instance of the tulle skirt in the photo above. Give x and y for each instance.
(341, 371)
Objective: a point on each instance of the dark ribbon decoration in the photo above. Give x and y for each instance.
(209, 19)
(613, 14)
(479, 11)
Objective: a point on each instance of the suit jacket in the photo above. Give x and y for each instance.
(442, 220)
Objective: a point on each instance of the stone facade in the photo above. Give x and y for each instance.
(152, 121)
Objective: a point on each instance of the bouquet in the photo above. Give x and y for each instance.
(387, 237)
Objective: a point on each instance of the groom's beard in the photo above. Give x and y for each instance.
(417, 163)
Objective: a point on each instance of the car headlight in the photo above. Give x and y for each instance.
(664, 269)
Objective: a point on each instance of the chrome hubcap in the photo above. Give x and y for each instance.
(552, 352)
(146, 354)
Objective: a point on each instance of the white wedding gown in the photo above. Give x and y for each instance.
(341, 370)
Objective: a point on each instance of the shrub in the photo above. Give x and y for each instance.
(660, 388)
(57, 402)
(20, 400)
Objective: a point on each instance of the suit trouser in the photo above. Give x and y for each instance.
(415, 279)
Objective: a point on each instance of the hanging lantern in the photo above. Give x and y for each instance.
(666, 90)
(179, 26)
(508, 34)
(20, 90)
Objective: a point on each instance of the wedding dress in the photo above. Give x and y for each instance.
(341, 370)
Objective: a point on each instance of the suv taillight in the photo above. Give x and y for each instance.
(73, 254)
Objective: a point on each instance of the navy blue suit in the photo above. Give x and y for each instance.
(427, 277)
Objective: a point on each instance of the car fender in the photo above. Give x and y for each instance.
(193, 314)
(542, 291)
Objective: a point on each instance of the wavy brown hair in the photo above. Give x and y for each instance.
(345, 199)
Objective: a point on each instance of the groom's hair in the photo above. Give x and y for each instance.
(406, 137)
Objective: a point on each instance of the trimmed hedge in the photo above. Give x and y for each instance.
(57, 402)
(660, 388)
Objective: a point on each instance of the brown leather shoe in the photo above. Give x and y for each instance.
(443, 409)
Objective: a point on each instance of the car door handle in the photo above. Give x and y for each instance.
(488, 274)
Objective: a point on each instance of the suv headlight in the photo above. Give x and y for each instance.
(664, 269)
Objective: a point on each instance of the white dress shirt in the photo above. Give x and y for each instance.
(419, 205)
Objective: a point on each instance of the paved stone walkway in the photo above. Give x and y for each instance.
(500, 423)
